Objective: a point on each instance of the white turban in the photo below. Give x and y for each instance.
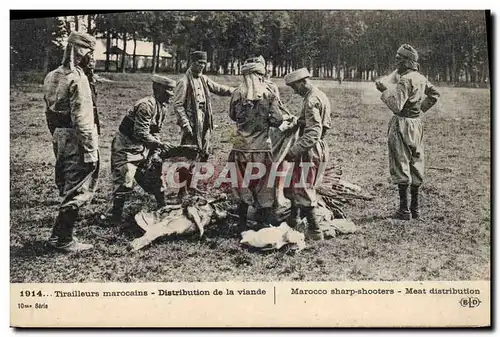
(253, 85)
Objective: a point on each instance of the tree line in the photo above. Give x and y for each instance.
(351, 44)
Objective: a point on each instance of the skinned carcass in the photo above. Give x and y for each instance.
(188, 218)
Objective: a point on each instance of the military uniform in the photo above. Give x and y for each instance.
(137, 144)
(193, 106)
(412, 96)
(314, 121)
(136, 137)
(252, 144)
(310, 150)
(74, 134)
(92, 82)
(70, 119)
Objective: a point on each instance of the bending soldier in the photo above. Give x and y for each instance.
(309, 152)
(136, 142)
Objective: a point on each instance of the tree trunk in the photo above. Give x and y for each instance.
(89, 24)
(213, 59)
(67, 23)
(473, 74)
(134, 64)
(77, 26)
(484, 73)
(154, 58)
(46, 59)
(108, 47)
(124, 53)
(178, 60)
(158, 57)
(454, 67)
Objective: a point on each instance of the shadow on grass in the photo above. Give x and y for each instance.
(373, 218)
(33, 248)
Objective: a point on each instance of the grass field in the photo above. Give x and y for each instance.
(450, 242)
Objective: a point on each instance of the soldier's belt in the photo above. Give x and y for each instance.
(58, 120)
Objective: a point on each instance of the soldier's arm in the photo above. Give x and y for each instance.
(234, 105)
(395, 99)
(312, 130)
(274, 89)
(82, 116)
(275, 114)
(178, 101)
(143, 116)
(431, 97)
(219, 89)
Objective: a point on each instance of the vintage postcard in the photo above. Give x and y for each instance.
(265, 168)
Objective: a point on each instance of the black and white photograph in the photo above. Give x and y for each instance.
(250, 146)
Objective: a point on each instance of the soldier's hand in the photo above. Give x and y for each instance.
(166, 147)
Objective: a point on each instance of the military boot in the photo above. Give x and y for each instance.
(314, 232)
(117, 211)
(264, 217)
(160, 199)
(242, 217)
(403, 213)
(294, 218)
(62, 234)
(414, 202)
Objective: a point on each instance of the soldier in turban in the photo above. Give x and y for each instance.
(70, 118)
(193, 106)
(255, 107)
(137, 141)
(412, 96)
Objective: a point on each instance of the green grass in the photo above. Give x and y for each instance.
(450, 242)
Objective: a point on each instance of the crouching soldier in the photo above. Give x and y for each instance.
(309, 153)
(70, 118)
(137, 143)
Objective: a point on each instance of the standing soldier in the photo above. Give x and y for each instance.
(310, 148)
(412, 96)
(255, 108)
(70, 118)
(193, 106)
(136, 142)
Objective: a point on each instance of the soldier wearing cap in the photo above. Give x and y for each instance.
(193, 106)
(137, 141)
(412, 96)
(70, 118)
(310, 148)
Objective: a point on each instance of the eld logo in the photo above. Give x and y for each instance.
(470, 302)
